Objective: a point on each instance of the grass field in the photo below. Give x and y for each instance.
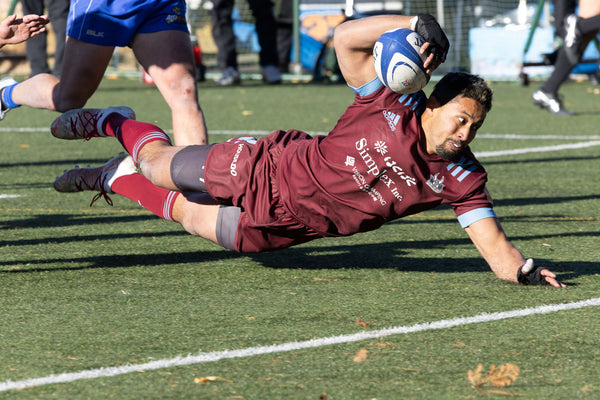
(111, 302)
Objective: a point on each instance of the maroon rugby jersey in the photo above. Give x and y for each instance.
(370, 169)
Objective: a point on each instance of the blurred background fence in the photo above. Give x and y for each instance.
(487, 37)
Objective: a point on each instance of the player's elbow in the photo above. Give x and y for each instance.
(341, 38)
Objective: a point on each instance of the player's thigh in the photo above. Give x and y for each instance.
(83, 68)
(165, 54)
(589, 8)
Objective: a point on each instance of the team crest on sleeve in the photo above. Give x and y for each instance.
(435, 183)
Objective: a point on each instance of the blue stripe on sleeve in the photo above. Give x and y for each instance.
(475, 215)
(368, 88)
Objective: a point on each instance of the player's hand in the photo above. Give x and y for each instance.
(529, 274)
(437, 43)
(13, 30)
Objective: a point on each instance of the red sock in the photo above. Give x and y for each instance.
(138, 188)
(133, 134)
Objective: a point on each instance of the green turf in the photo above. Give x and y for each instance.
(83, 288)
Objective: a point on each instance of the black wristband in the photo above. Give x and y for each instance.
(533, 277)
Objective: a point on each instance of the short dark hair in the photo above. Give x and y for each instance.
(457, 84)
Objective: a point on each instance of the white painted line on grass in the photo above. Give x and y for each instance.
(291, 346)
(570, 146)
(533, 136)
(259, 132)
(9, 196)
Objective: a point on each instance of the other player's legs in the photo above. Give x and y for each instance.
(83, 67)
(169, 59)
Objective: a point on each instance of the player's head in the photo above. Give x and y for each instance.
(457, 84)
(455, 111)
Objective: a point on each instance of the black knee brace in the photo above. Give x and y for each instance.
(187, 168)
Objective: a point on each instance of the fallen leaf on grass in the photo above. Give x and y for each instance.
(210, 379)
(360, 356)
(324, 279)
(501, 376)
(362, 323)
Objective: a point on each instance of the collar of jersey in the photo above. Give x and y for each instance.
(368, 88)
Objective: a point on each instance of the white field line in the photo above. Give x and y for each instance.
(9, 196)
(291, 346)
(259, 132)
(541, 149)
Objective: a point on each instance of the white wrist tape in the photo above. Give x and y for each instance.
(413, 23)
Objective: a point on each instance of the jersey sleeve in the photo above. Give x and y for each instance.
(476, 207)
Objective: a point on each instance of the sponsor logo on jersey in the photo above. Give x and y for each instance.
(350, 161)
(381, 147)
(176, 17)
(399, 171)
(236, 156)
(436, 184)
(371, 164)
(392, 119)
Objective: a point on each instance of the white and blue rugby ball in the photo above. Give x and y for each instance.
(398, 62)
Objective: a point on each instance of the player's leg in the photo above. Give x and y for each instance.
(266, 30)
(168, 57)
(589, 8)
(149, 145)
(119, 175)
(35, 47)
(57, 12)
(224, 37)
(83, 68)
(581, 29)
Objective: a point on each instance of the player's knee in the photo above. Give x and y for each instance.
(152, 168)
(179, 86)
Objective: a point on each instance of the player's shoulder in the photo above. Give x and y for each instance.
(375, 93)
(466, 170)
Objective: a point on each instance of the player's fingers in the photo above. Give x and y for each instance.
(550, 277)
(554, 282)
(547, 273)
(430, 64)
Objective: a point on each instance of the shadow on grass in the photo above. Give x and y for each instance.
(383, 255)
(56, 163)
(327, 253)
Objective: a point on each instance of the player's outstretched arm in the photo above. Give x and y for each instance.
(504, 259)
(13, 30)
(354, 40)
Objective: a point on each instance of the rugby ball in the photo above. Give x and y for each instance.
(398, 62)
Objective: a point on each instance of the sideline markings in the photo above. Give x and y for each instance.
(291, 346)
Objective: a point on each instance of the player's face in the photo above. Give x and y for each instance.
(451, 127)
